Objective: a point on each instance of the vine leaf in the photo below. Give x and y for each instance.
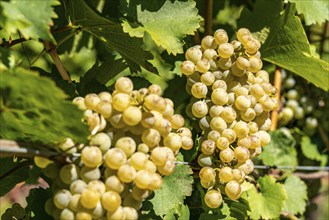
(285, 41)
(311, 12)
(33, 109)
(268, 201)
(36, 202)
(31, 23)
(179, 212)
(167, 25)
(174, 190)
(11, 173)
(296, 195)
(310, 151)
(281, 151)
(110, 32)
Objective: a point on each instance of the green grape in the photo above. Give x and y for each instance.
(118, 214)
(111, 201)
(91, 101)
(242, 63)
(98, 212)
(143, 179)
(69, 173)
(105, 96)
(228, 114)
(113, 183)
(168, 168)
(187, 143)
(242, 32)
(127, 144)
(67, 145)
(126, 173)
(193, 54)
(209, 54)
(88, 174)
(225, 174)
(97, 185)
(80, 102)
(130, 213)
(102, 140)
(66, 214)
(205, 160)
(222, 143)
(208, 147)
(173, 141)
(199, 109)
(151, 137)
(221, 36)
(219, 96)
(242, 103)
(51, 171)
(199, 90)
(187, 68)
(155, 89)
(256, 64)
(241, 129)
(41, 162)
(62, 198)
(156, 182)
(124, 85)
(207, 78)
(139, 194)
(215, 110)
(104, 108)
(218, 124)
(213, 135)
(83, 216)
(208, 42)
(224, 63)
(177, 121)
(132, 115)
(204, 123)
(229, 134)
(77, 186)
(91, 156)
(233, 190)
(241, 153)
(121, 101)
(207, 174)
(89, 198)
(239, 176)
(219, 84)
(207, 184)
(150, 166)
(155, 102)
(225, 50)
(213, 198)
(247, 167)
(115, 158)
(226, 155)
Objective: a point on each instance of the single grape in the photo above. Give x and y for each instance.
(213, 198)
(207, 174)
(225, 174)
(127, 144)
(111, 201)
(91, 156)
(89, 198)
(233, 190)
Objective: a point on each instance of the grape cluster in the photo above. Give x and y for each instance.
(135, 137)
(15, 212)
(231, 100)
(303, 105)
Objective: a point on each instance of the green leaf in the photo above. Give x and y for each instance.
(179, 212)
(36, 201)
(33, 109)
(268, 201)
(229, 14)
(310, 151)
(11, 173)
(130, 48)
(281, 150)
(296, 191)
(174, 190)
(31, 18)
(313, 11)
(168, 24)
(285, 41)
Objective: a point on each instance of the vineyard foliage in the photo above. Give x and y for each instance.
(54, 51)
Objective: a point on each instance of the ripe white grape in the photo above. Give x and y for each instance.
(233, 190)
(221, 36)
(199, 109)
(126, 173)
(213, 198)
(132, 115)
(225, 174)
(127, 144)
(91, 156)
(115, 158)
(111, 201)
(187, 67)
(225, 50)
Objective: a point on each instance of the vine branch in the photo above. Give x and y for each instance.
(314, 175)
(51, 49)
(208, 17)
(277, 85)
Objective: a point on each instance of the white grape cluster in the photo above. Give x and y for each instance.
(298, 108)
(135, 137)
(231, 100)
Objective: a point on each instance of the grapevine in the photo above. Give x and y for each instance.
(172, 109)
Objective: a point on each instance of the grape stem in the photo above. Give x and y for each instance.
(277, 85)
(208, 17)
(51, 49)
